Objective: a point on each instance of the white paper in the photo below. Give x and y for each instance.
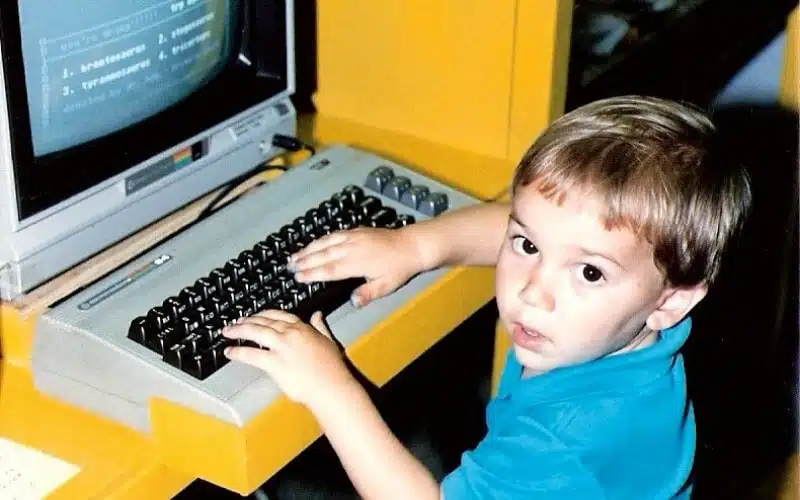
(28, 474)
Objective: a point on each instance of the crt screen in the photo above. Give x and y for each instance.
(83, 58)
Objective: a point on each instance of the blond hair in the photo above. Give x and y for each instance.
(656, 170)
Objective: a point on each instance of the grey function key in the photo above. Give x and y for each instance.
(434, 204)
(379, 178)
(395, 188)
(414, 196)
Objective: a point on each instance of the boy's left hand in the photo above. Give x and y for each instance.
(302, 359)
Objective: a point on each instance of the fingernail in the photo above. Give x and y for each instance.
(227, 351)
(291, 265)
(355, 300)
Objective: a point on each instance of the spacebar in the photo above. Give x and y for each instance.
(329, 298)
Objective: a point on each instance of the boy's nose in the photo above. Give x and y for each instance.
(535, 293)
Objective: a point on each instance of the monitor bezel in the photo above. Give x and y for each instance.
(37, 184)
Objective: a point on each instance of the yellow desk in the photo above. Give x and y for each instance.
(115, 462)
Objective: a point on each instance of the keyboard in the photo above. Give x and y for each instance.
(152, 328)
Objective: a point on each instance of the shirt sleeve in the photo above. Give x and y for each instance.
(526, 463)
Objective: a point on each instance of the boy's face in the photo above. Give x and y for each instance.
(568, 290)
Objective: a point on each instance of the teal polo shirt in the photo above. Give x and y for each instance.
(619, 427)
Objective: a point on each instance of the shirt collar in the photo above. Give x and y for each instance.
(610, 373)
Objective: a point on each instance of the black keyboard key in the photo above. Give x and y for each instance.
(140, 331)
(383, 217)
(243, 310)
(227, 318)
(255, 283)
(206, 288)
(351, 219)
(344, 202)
(204, 314)
(305, 227)
(263, 251)
(346, 221)
(220, 278)
(325, 230)
(175, 307)
(271, 292)
(258, 302)
(283, 303)
(190, 297)
(248, 285)
(232, 295)
(210, 332)
(217, 351)
(329, 298)
(403, 220)
(369, 206)
(296, 247)
(164, 340)
(260, 276)
(249, 302)
(187, 323)
(218, 304)
(290, 234)
(195, 343)
(177, 356)
(159, 318)
(316, 217)
(201, 365)
(236, 270)
(274, 267)
(276, 243)
(284, 282)
(249, 259)
(355, 193)
(297, 295)
(329, 209)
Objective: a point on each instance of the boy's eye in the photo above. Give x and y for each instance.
(591, 274)
(523, 246)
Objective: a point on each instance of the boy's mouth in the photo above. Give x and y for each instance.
(527, 338)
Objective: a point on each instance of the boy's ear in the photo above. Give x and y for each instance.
(675, 303)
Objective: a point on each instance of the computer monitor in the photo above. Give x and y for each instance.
(115, 113)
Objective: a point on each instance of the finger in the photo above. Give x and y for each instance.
(318, 322)
(321, 257)
(261, 321)
(262, 335)
(319, 244)
(369, 291)
(277, 315)
(259, 358)
(332, 271)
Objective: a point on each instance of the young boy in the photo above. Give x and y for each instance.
(620, 213)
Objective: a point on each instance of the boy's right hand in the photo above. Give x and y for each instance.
(386, 258)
